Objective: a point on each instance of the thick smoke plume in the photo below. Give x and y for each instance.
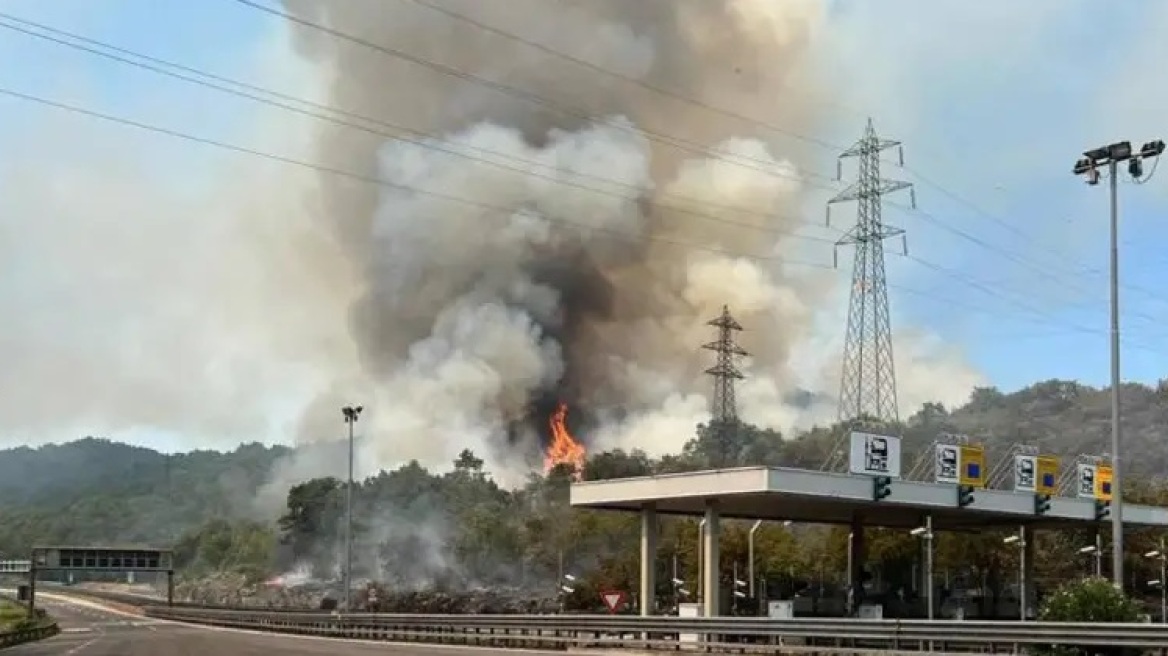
(474, 317)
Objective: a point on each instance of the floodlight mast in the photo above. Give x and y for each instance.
(1089, 165)
(351, 413)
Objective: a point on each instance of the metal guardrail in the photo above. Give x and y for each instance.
(560, 631)
(39, 632)
(618, 631)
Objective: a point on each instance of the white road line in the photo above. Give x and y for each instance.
(356, 641)
(83, 645)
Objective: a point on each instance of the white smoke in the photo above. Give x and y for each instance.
(461, 327)
(213, 306)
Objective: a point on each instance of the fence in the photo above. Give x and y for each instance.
(560, 631)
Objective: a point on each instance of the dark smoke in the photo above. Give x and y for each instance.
(474, 323)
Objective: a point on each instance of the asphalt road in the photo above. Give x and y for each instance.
(87, 629)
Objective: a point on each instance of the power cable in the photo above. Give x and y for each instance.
(536, 99)
(627, 78)
(238, 93)
(522, 94)
(823, 143)
(364, 128)
(491, 209)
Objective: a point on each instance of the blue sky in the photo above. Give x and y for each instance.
(993, 101)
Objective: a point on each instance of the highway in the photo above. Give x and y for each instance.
(90, 629)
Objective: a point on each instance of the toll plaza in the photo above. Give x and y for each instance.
(15, 566)
(872, 493)
(100, 559)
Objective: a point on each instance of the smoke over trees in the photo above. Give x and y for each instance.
(535, 230)
(562, 234)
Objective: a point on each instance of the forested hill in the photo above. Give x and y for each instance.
(95, 490)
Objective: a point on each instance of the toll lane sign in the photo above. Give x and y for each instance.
(947, 466)
(1086, 481)
(1047, 475)
(874, 455)
(1103, 476)
(1025, 473)
(973, 466)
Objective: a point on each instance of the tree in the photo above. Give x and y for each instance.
(311, 514)
(417, 526)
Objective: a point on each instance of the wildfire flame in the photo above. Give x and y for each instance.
(563, 449)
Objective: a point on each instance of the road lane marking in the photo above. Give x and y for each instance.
(271, 634)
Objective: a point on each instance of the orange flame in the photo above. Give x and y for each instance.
(564, 449)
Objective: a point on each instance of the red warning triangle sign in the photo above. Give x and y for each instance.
(613, 599)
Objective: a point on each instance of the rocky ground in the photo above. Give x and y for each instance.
(234, 590)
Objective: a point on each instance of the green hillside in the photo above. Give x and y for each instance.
(417, 528)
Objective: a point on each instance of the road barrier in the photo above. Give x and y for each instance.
(633, 631)
(616, 631)
(21, 636)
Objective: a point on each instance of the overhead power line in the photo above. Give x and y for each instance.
(425, 140)
(677, 142)
(756, 122)
(468, 202)
(961, 279)
(823, 143)
(1040, 318)
(745, 161)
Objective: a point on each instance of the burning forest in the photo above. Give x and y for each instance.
(584, 249)
(532, 275)
(562, 449)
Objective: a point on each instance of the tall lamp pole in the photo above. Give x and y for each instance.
(1111, 156)
(926, 533)
(1020, 541)
(351, 414)
(1162, 556)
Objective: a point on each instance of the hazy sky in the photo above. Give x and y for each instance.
(994, 101)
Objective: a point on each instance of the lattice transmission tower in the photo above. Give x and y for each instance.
(868, 385)
(723, 406)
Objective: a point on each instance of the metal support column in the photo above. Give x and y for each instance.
(710, 570)
(1027, 593)
(856, 555)
(648, 591)
(930, 587)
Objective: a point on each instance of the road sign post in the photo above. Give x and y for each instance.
(1046, 479)
(971, 473)
(1085, 488)
(1103, 476)
(614, 600)
(874, 455)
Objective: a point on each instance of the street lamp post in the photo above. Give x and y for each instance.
(701, 561)
(851, 576)
(566, 587)
(926, 533)
(1020, 540)
(750, 556)
(1111, 156)
(1162, 555)
(351, 413)
(1096, 552)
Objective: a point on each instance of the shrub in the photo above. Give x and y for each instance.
(1088, 600)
